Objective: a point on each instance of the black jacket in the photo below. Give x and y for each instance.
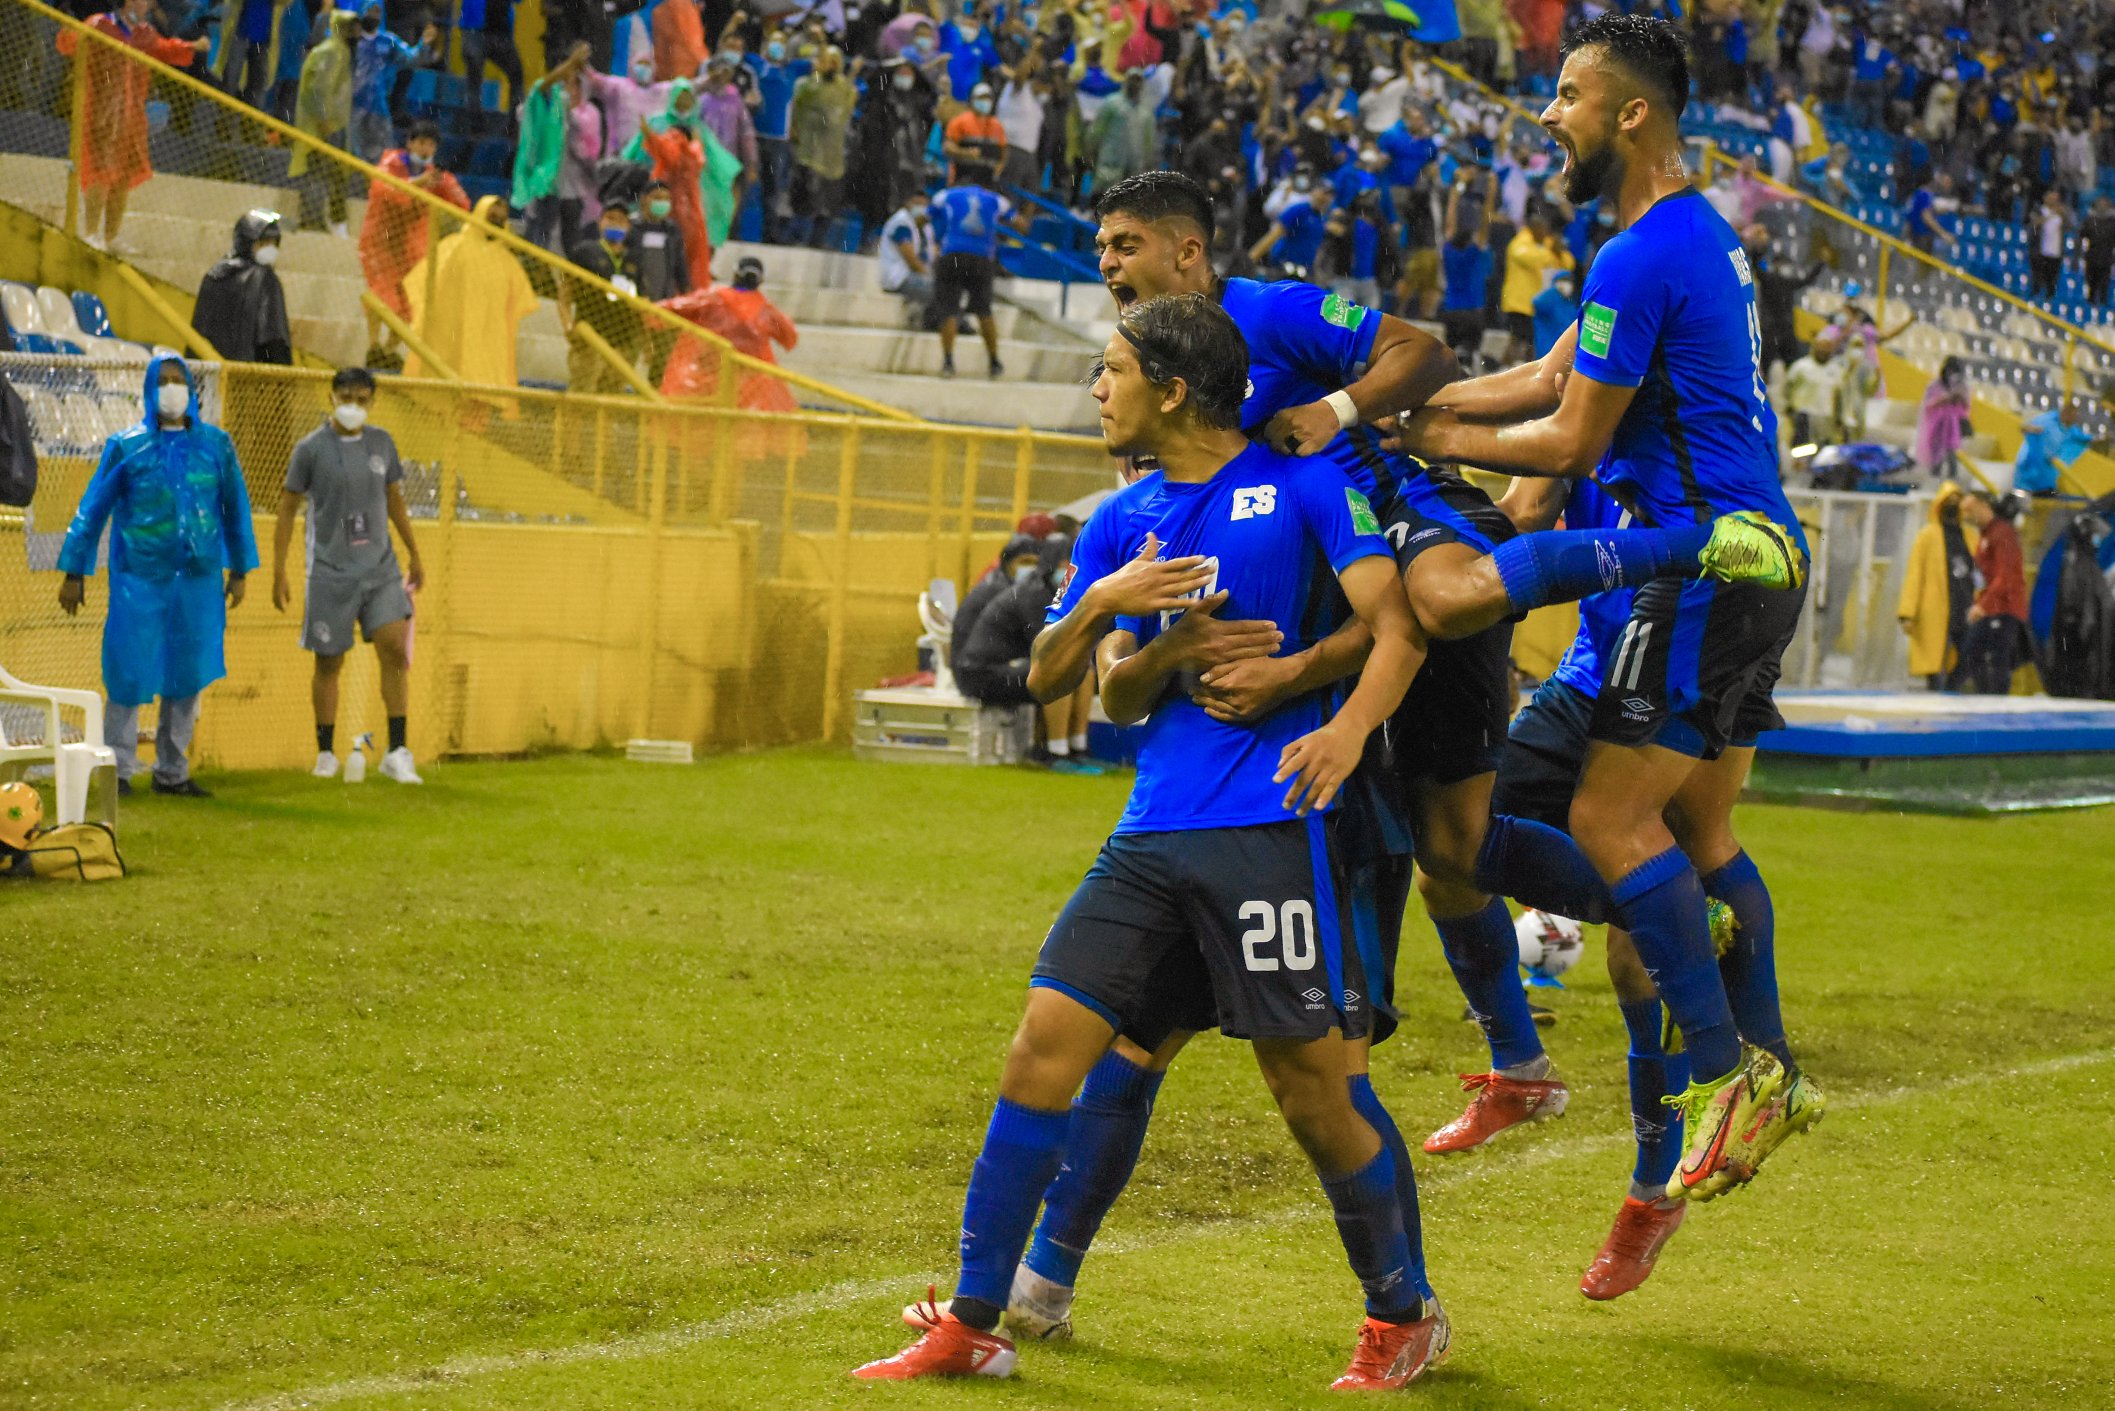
(241, 306)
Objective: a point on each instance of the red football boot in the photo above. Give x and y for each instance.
(1642, 1229)
(1393, 1355)
(1500, 1102)
(950, 1348)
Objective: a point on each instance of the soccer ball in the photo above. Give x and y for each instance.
(1549, 944)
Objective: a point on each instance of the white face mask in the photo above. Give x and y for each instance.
(266, 255)
(350, 416)
(172, 399)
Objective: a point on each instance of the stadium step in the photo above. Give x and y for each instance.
(917, 353)
(971, 398)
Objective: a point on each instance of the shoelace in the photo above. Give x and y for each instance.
(1369, 1358)
(929, 1309)
(1474, 1082)
(1631, 1236)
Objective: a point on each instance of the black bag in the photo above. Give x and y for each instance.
(18, 448)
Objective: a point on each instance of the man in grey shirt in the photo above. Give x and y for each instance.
(349, 476)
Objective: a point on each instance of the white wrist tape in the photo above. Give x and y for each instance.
(1347, 413)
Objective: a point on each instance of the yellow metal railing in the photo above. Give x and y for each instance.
(211, 101)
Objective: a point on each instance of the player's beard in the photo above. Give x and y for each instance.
(1588, 176)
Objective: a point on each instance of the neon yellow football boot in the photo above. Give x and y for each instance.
(1747, 547)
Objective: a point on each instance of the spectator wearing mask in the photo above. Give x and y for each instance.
(1465, 272)
(1938, 585)
(1531, 256)
(690, 161)
(181, 550)
(249, 47)
(1023, 93)
(1381, 105)
(1021, 557)
(975, 136)
(659, 264)
(1124, 138)
(1556, 309)
(607, 253)
(1358, 252)
(1943, 421)
(776, 74)
(1995, 639)
(2096, 247)
(347, 475)
(487, 28)
(969, 50)
(393, 236)
(539, 155)
(893, 122)
(480, 297)
(1828, 176)
(627, 99)
(740, 313)
(907, 257)
(989, 651)
(113, 147)
(2045, 257)
(241, 308)
(968, 218)
(725, 113)
(579, 190)
(376, 58)
(1777, 284)
(2049, 442)
(1815, 392)
(323, 110)
(821, 119)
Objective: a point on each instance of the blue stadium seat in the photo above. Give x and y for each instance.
(88, 311)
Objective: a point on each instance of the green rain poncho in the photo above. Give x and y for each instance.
(540, 149)
(717, 177)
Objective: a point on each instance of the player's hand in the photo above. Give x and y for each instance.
(282, 591)
(415, 575)
(1150, 584)
(238, 586)
(1301, 431)
(1976, 613)
(71, 592)
(1240, 692)
(1414, 434)
(1318, 763)
(1201, 641)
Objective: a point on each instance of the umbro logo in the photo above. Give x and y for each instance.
(1313, 996)
(1605, 564)
(1351, 996)
(1638, 704)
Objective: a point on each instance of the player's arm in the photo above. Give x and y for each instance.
(1568, 442)
(290, 502)
(400, 517)
(1320, 761)
(1532, 389)
(1239, 692)
(1064, 651)
(1533, 503)
(1135, 678)
(1406, 366)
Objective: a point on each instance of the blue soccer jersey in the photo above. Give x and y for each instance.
(968, 218)
(1277, 531)
(1602, 616)
(1669, 308)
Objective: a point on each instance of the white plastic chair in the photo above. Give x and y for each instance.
(73, 765)
(936, 614)
(19, 303)
(60, 321)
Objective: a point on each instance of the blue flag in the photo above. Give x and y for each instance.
(1438, 23)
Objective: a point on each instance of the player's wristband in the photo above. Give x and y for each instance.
(1347, 412)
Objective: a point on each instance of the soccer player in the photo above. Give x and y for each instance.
(348, 474)
(1665, 405)
(1223, 873)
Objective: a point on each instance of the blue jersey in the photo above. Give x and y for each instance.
(1467, 271)
(1277, 531)
(968, 219)
(1303, 226)
(1669, 308)
(1602, 616)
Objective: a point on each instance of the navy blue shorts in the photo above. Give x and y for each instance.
(1544, 752)
(1697, 665)
(1433, 507)
(1241, 928)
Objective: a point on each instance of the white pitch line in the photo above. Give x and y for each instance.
(1437, 1175)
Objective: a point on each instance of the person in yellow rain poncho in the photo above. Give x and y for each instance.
(1938, 584)
(480, 297)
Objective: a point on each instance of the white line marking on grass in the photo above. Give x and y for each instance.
(1437, 1175)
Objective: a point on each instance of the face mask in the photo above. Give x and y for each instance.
(172, 399)
(1343, 78)
(614, 234)
(775, 51)
(923, 46)
(983, 106)
(642, 73)
(266, 255)
(415, 163)
(1025, 573)
(904, 82)
(1302, 183)
(350, 416)
(658, 209)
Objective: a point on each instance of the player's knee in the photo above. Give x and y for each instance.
(1459, 604)
(1448, 889)
(328, 667)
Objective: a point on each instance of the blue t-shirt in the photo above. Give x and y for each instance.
(1669, 308)
(774, 84)
(1302, 241)
(1407, 154)
(1913, 218)
(1277, 531)
(1468, 276)
(968, 218)
(1365, 243)
(967, 59)
(1870, 58)
(1602, 616)
(1554, 312)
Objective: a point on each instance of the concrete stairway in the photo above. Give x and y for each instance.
(1894, 423)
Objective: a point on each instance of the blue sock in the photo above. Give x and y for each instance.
(1370, 1222)
(1562, 566)
(1654, 1074)
(1108, 1130)
(1485, 958)
(1664, 903)
(1368, 1102)
(1540, 866)
(1022, 1148)
(1749, 968)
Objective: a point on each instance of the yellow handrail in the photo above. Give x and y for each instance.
(401, 329)
(185, 333)
(563, 268)
(623, 367)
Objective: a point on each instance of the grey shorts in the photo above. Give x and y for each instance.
(336, 602)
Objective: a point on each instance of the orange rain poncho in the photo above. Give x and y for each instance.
(752, 323)
(114, 100)
(393, 237)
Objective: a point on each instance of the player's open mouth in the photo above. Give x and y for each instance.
(1566, 148)
(1124, 294)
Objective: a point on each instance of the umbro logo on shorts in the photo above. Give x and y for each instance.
(1639, 705)
(1313, 997)
(1351, 996)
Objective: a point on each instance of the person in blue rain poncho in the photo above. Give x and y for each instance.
(179, 517)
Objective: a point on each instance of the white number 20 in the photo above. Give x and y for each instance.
(1293, 924)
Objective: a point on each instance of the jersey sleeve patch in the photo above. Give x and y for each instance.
(1363, 520)
(1342, 312)
(1597, 329)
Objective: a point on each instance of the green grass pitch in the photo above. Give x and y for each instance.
(573, 1083)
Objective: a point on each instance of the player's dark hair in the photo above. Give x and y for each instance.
(1158, 195)
(1189, 336)
(424, 127)
(352, 379)
(1650, 50)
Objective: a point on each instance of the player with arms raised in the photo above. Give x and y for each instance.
(1665, 406)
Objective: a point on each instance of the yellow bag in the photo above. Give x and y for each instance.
(72, 852)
